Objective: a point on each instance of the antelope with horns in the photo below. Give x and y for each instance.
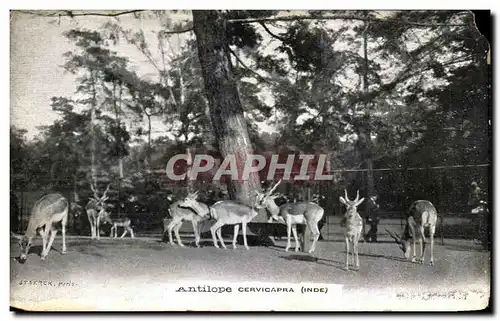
(421, 214)
(96, 209)
(353, 228)
(188, 209)
(291, 214)
(230, 212)
(46, 212)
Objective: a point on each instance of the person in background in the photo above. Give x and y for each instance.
(478, 206)
(475, 195)
(373, 218)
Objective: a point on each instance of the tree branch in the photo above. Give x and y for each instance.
(172, 32)
(283, 39)
(249, 69)
(71, 14)
(343, 17)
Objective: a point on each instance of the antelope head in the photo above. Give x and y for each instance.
(403, 243)
(351, 205)
(191, 201)
(105, 217)
(100, 199)
(25, 244)
(263, 198)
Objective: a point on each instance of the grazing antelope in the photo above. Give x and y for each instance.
(188, 209)
(46, 212)
(230, 212)
(124, 222)
(95, 210)
(292, 214)
(353, 227)
(421, 214)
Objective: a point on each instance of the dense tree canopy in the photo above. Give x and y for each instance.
(370, 89)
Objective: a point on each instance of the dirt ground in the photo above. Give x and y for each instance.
(132, 274)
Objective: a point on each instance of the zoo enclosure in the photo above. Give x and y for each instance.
(446, 187)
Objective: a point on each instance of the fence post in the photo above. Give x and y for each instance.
(306, 236)
(442, 229)
(70, 212)
(21, 212)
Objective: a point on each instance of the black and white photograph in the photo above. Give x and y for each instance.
(250, 160)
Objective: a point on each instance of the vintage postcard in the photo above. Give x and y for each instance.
(250, 160)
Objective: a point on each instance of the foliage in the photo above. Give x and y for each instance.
(424, 103)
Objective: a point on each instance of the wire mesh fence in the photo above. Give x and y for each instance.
(146, 203)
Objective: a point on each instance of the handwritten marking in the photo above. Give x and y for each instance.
(47, 283)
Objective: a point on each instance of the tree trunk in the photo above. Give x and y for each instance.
(226, 111)
(370, 186)
(149, 141)
(189, 163)
(93, 147)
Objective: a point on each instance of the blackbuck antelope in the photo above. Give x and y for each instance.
(115, 223)
(291, 214)
(187, 209)
(46, 212)
(421, 214)
(352, 224)
(230, 212)
(96, 208)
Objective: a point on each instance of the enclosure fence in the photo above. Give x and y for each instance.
(447, 187)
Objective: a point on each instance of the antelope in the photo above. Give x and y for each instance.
(124, 222)
(292, 214)
(95, 210)
(352, 224)
(188, 209)
(46, 212)
(230, 212)
(421, 214)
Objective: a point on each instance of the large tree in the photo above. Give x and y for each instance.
(226, 111)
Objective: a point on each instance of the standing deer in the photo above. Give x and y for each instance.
(292, 214)
(124, 222)
(421, 214)
(95, 210)
(46, 212)
(230, 212)
(188, 209)
(353, 227)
